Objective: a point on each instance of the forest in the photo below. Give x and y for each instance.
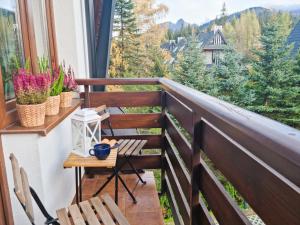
(256, 70)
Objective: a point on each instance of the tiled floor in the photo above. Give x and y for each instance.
(147, 211)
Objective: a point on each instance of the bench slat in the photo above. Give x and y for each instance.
(102, 211)
(76, 215)
(63, 217)
(89, 213)
(114, 210)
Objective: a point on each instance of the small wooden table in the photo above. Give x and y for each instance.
(127, 148)
(77, 162)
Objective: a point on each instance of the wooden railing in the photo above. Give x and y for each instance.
(260, 157)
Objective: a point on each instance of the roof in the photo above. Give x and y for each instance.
(206, 38)
(294, 38)
(206, 41)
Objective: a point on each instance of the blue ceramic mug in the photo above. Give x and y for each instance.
(101, 151)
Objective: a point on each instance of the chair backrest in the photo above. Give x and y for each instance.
(21, 187)
(103, 112)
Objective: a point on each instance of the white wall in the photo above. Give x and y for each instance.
(207, 57)
(42, 158)
(70, 26)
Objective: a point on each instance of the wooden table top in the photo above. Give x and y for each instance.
(75, 160)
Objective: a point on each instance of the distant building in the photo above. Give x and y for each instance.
(294, 38)
(212, 44)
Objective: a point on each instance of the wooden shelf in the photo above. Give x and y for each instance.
(50, 122)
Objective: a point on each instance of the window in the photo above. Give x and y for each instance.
(11, 50)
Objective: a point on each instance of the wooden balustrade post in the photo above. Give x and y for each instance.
(86, 96)
(163, 143)
(195, 199)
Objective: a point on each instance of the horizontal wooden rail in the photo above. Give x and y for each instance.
(201, 215)
(179, 170)
(124, 99)
(223, 206)
(175, 211)
(180, 142)
(177, 200)
(181, 112)
(118, 81)
(126, 121)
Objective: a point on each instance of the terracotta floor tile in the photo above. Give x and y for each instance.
(145, 203)
(147, 211)
(145, 218)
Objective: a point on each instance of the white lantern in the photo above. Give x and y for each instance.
(86, 131)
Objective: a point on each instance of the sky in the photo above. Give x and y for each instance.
(201, 11)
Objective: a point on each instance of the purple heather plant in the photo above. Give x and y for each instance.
(31, 89)
(69, 81)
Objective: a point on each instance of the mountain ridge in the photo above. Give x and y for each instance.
(260, 12)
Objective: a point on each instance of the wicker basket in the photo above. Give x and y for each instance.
(52, 105)
(32, 115)
(66, 99)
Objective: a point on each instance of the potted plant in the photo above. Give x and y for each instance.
(57, 83)
(70, 85)
(32, 91)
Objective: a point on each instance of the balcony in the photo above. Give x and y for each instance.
(199, 135)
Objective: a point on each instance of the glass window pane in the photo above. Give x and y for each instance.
(11, 50)
(40, 28)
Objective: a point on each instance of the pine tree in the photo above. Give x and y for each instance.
(229, 77)
(296, 68)
(126, 31)
(223, 18)
(275, 86)
(224, 10)
(191, 70)
(272, 68)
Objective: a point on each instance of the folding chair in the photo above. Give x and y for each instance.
(127, 148)
(94, 211)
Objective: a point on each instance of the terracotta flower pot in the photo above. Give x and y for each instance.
(32, 115)
(52, 105)
(66, 99)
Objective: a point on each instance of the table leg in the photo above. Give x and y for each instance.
(76, 185)
(80, 185)
(116, 186)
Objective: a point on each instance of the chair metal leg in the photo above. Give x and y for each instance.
(105, 184)
(49, 219)
(127, 189)
(116, 187)
(135, 171)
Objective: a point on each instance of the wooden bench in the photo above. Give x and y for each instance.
(94, 211)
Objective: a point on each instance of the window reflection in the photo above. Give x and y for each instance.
(11, 51)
